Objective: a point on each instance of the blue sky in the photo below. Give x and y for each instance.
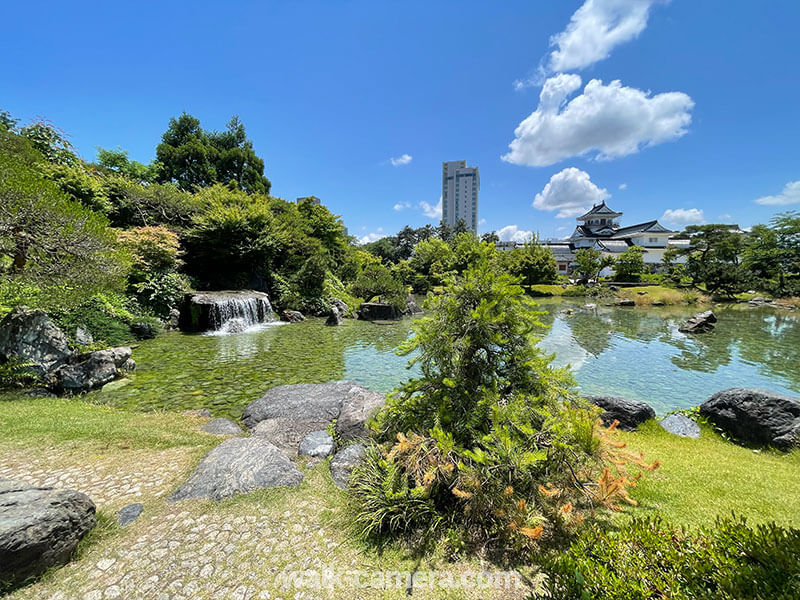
(704, 122)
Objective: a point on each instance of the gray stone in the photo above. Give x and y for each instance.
(629, 413)
(755, 416)
(239, 466)
(344, 462)
(83, 337)
(700, 323)
(341, 305)
(30, 336)
(39, 528)
(625, 302)
(358, 406)
(589, 306)
(681, 426)
(293, 316)
(144, 330)
(378, 311)
(222, 427)
(99, 368)
(287, 413)
(334, 317)
(412, 308)
(317, 444)
(129, 514)
(224, 310)
(174, 318)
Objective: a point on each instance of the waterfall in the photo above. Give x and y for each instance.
(236, 314)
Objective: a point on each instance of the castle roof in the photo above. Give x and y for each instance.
(600, 210)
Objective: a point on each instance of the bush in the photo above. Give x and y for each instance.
(490, 444)
(649, 559)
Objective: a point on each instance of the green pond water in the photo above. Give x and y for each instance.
(632, 352)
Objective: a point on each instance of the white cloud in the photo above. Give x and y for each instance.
(725, 216)
(431, 211)
(482, 222)
(683, 216)
(612, 119)
(371, 237)
(623, 186)
(571, 192)
(401, 205)
(594, 30)
(401, 160)
(512, 233)
(789, 195)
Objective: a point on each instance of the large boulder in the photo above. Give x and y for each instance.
(700, 323)
(293, 316)
(378, 311)
(31, 337)
(239, 466)
(334, 316)
(412, 308)
(341, 305)
(228, 311)
(629, 413)
(755, 416)
(288, 413)
(344, 462)
(39, 529)
(96, 370)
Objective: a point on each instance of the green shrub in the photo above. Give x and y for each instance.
(575, 290)
(15, 374)
(649, 559)
(490, 445)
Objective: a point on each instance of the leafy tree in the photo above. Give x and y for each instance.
(47, 239)
(714, 258)
(629, 265)
(194, 158)
(589, 262)
(134, 205)
(51, 142)
(772, 254)
(118, 162)
(490, 237)
(533, 263)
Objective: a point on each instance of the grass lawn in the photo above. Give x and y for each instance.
(308, 526)
(658, 293)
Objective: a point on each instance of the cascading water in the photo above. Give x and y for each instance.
(236, 314)
(225, 312)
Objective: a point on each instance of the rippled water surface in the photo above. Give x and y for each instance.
(633, 352)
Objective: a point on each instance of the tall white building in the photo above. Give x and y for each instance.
(460, 186)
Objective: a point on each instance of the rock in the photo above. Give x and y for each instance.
(642, 293)
(174, 318)
(344, 462)
(412, 308)
(238, 466)
(341, 305)
(613, 288)
(83, 337)
(144, 330)
(658, 303)
(203, 413)
(317, 444)
(30, 336)
(334, 317)
(589, 307)
(129, 514)
(625, 302)
(680, 426)
(629, 413)
(128, 366)
(378, 311)
(288, 413)
(99, 368)
(755, 416)
(700, 323)
(293, 316)
(358, 406)
(39, 529)
(759, 301)
(222, 427)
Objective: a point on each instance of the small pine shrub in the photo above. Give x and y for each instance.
(649, 559)
(16, 374)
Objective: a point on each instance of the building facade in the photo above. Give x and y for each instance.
(599, 229)
(460, 187)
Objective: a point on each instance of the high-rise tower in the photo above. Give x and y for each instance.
(460, 186)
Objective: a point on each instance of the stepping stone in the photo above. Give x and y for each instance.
(681, 426)
(222, 427)
(129, 514)
(239, 466)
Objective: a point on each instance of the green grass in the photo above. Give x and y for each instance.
(548, 289)
(700, 479)
(38, 422)
(659, 293)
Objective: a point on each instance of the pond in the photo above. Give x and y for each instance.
(632, 352)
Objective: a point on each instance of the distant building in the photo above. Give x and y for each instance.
(599, 229)
(460, 187)
(312, 199)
